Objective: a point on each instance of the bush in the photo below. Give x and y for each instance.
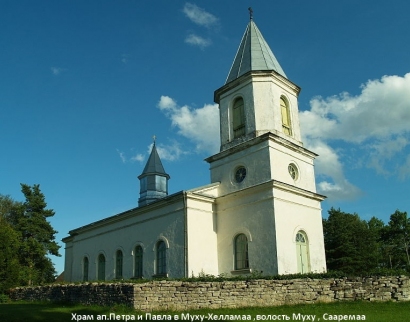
(4, 298)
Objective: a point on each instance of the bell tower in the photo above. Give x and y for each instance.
(259, 122)
(257, 96)
(267, 190)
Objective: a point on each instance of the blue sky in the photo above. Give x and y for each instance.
(86, 84)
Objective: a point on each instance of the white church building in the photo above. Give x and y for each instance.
(260, 213)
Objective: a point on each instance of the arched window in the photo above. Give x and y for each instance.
(138, 254)
(85, 269)
(302, 252)
(118, 264)
(286, 124)
(161, 258)
(101, 267)
(238, 117)
(241, 252)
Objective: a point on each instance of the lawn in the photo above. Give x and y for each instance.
(371, 311)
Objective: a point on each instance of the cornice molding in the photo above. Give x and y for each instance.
(245, 78)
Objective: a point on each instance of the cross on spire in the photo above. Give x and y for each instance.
(250, 13)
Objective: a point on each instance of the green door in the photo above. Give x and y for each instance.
(302, 253)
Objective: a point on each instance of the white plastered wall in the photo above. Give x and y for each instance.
(249, 212)
(267, 90)
(261, 94)
(256, 161)
(68, 260)
(145, 229)
(281, 156)
(202, 236)
(295, 213)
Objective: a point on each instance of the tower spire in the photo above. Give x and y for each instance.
(254, 54)
(153, 179)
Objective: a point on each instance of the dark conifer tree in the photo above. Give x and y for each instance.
(37, 237)
(9, 260)
(396, 240)
(351, 246)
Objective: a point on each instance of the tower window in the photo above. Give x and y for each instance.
(240, 174)
(241, 252)
(293, 171)
(286, 123)
(118, 264)
(238, 117)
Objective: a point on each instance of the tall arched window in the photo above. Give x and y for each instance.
(118, 264)
(85, 269)
(302, 252)
(286, 123)
(138, 255)
(238, 117)
(161, 258)
(101, 267)
(241, 252)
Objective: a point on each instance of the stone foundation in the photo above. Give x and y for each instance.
(182, 296)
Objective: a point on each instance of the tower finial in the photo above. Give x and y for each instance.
(250, 13)
(154, 138)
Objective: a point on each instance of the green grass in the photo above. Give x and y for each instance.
(35, 311)
(373, 311)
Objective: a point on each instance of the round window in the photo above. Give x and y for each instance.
(293, 171)
(240, 174)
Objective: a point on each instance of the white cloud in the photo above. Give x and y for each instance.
(170, 152)
(125, 58)
(57, 70)
(367, 130)
(199, 16)
(383, 150)
(201, 125)
(136, 157)
(404, 170)
(122, 156)
(328, 166)
(376, 122)
(196, 40)
(381, 110)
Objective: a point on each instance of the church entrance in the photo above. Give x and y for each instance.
(302, 252)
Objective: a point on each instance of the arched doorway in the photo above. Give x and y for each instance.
(302, 252)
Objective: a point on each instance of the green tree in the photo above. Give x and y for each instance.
(376, 227)
(38, 236)
(30, 220)
(8, 209)
(396, 239)
(350, 245)
(9, 247)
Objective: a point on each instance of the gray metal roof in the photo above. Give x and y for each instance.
(253, 54)
(154, 165)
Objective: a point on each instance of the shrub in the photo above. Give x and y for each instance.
(4, 298)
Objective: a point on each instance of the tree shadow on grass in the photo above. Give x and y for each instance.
(27, 312)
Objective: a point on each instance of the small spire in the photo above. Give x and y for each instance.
(153, 179)
(154, 138)
(250, 13)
